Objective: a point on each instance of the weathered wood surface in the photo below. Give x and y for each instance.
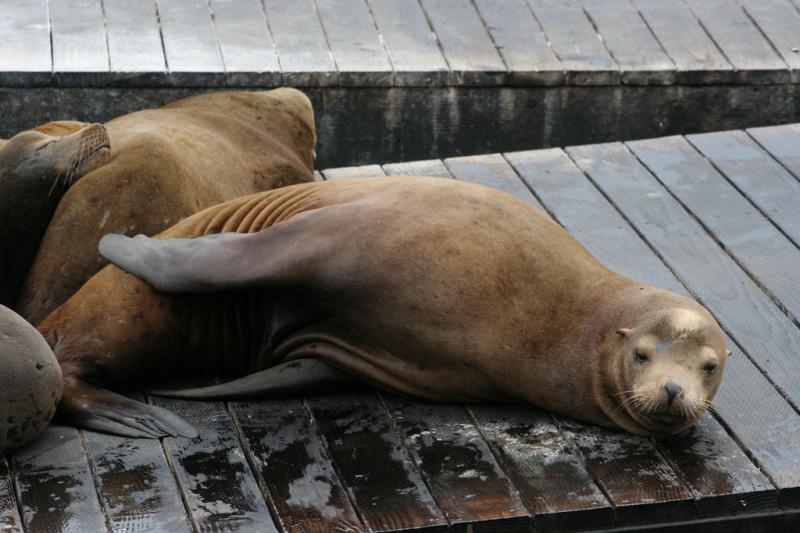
(662, 211)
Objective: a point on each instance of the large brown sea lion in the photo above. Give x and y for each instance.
(36, 169)
(427, 287)
(166, 164)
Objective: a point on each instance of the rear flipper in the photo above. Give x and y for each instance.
(97, 409)
(293, 378)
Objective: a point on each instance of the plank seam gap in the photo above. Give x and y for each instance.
(327, 41)
(695, 496)
(491, 37)
(775, 300)
(711, 37)
(438, 41)
(15, 491)
(546, 37)
(764, 35)
(680, 280)
(174, 471)
(740, 191)
(789, 170)
(325, 447)
(600, 37)
(653, 33)
(50, 34)
(161, 36)
(383, 43)
(95, 484)
(272, 37)
(105, 34)
(216, 38)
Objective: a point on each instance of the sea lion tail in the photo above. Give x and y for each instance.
(293, 378)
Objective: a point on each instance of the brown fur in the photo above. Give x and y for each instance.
(167, 164)
(427, 287)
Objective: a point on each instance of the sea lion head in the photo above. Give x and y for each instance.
(30, 382)
(670, 367)
(55, 154)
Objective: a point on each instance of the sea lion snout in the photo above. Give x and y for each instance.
(673, 389)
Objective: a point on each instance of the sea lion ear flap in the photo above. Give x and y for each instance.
(60, 128)
(623, 332)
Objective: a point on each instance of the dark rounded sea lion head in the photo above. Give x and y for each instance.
(30, 382)
(671, 366)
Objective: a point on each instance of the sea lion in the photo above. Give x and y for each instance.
(166, 164)
(36, 169)
(432, 288)
(32, 382)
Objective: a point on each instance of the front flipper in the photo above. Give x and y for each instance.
(293, 378)
(97, 409)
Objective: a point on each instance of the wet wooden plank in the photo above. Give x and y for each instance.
(412, 45)
(216, 481)
(135, 51)
(360, 56)
(751, 239)
(135, 484)
(302, 47)
(80, 53)
(695, 55)
(779, 20)
(641, 484)
(10, 521)
(383, 483)
(293, 467)
(190, 44)
(464, 478)
(432, 167)
(366, 171)
(543, 465)
(55, 486)
(756, 174)
(467, 46)
(245, 43)
(492, 171)
(641, 59)
(758, 415)
(25, 37)
(742, 43)
(576, 43)
(521, 42)
(782, 143)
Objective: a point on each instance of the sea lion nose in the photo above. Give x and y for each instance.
(673, 388)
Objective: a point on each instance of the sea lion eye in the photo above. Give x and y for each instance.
(48, 143)
(710, 368)
(640, 357)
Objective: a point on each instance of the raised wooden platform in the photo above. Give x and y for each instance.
(714, 216)
(411, 79)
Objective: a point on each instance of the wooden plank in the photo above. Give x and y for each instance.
(360, 56)
(779, 20)
(190, 44)
(80, 52)
(750, 406)
(245, 43)
(54, 484)
(215, 479)
(742, 43)
(366, 171)
(782, 143)
(134, 42)
(755, 174)
(412, 45)
(691, 49)
(25, 36)
(468, 48)
(135, 483)
(492, 171)
(751, 239)
(433, 167)
(302, 47)
(543, 465)
(521, 42)
(458, 466)
(641, 484)
(10, 521)
(293, 468)
(383, 483)
(640, 57)
(576, 43)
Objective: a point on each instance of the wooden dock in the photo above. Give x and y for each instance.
(400, 80)
(714, 216)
